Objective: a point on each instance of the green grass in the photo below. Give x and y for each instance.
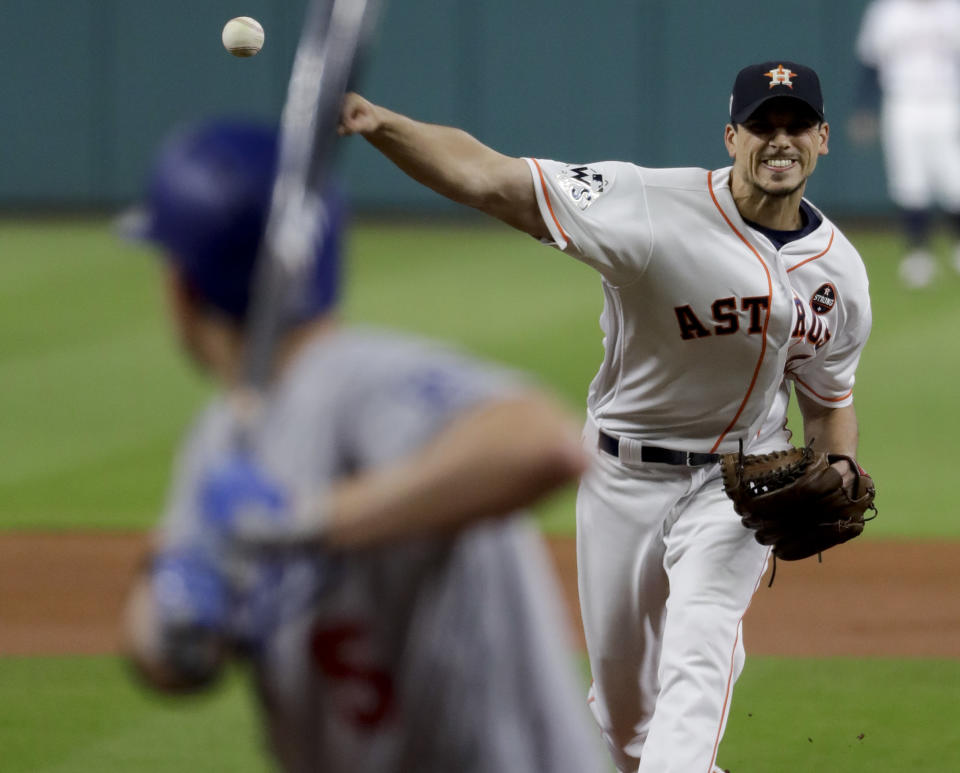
(95, 395)
(854, 716)
(85, 715)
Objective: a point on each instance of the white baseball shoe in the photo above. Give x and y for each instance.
(918, 269)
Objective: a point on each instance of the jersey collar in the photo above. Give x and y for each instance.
(815, 241)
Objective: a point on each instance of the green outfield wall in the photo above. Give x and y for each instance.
(91, 85)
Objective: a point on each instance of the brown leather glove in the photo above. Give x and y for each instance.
(795, 501)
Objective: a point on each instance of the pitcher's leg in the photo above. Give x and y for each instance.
(714, 565)
(623, 591)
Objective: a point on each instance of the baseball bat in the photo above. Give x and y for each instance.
(330, 49)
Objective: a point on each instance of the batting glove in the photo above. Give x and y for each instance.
(192, 605)
(244, 505)
(189, 589)
(239, 500)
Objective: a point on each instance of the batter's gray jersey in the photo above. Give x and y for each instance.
(433, 656)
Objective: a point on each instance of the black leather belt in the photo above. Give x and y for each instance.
(611, 445)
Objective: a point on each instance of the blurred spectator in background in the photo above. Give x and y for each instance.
(910, 51)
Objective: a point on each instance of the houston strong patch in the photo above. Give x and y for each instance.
(824, 299)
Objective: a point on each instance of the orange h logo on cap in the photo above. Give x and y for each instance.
(781, 76)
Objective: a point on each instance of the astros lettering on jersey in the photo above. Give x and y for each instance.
(724, 291)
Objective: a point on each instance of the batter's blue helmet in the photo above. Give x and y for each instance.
(206, 205)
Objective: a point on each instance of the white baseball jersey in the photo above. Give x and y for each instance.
(432, 655)
(915, 46)
(704, 316)
(833, 321)
(699, 311)
(831, 327)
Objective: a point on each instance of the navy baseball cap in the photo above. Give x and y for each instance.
(206, 205)
(759, 83)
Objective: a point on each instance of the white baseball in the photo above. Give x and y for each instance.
(242, 36)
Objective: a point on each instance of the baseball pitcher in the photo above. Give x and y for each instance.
(718, 285)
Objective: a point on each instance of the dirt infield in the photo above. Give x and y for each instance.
(63, 593)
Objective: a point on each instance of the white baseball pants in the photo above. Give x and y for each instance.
(666, 573)
(921, 145)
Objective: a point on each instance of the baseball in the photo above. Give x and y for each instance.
(242, 36)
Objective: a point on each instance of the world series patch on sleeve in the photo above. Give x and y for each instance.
(795, 501)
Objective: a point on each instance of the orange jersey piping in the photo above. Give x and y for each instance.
(815, 257)
(546, 198)
(766, 321)
(813, 391)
